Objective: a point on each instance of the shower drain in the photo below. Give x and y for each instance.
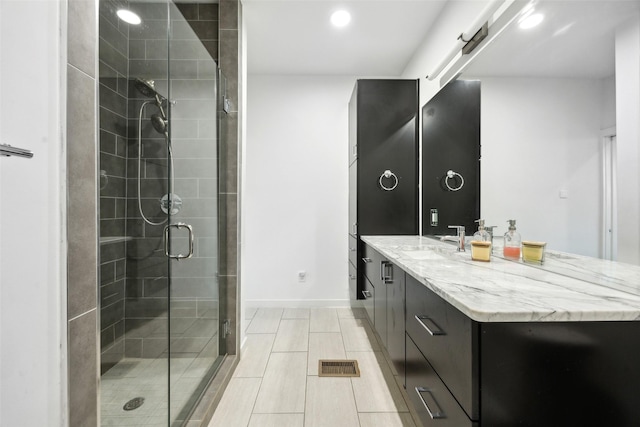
(134, 403)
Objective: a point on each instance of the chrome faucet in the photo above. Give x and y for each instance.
(459, 238)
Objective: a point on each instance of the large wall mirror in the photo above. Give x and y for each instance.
(558, 131)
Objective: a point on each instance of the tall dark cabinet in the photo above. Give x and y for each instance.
(383, 167)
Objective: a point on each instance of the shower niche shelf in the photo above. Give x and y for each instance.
(114, 239)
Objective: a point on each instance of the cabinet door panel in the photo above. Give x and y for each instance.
(560, 374)
(431, 399)
(353, 250)
(374, 272)
(387, 140)
(380, 312)
(395, 320)
(446, 337)
(353, 199)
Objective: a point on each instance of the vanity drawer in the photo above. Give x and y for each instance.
(431, 399)
(448, 339)
(372, 261)
(368, 294)
(353, 281)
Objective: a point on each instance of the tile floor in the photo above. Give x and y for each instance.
(276, 382)
(194, 346)
(148, 378)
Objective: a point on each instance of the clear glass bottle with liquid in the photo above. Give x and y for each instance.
(481, 243)
(481, 235)
(512, 241)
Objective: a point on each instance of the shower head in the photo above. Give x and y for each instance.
(159, 124)
(147, 88)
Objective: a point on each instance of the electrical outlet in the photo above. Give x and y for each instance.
(302, 276)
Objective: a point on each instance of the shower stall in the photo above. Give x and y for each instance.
(161, 109)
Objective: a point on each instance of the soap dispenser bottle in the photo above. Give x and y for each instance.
(481, 235)
(512, 241)
(481, 243)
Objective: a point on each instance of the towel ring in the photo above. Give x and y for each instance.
(450, 175)
(388, 174)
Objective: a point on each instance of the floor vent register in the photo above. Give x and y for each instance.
(338, 368)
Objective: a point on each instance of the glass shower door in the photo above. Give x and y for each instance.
(159, 299)
(193, 233)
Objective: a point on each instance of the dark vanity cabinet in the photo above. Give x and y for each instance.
(386, 283)
(461, 373)
(383, 166)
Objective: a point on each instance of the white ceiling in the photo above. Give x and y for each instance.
(576, 39)
(296, 37)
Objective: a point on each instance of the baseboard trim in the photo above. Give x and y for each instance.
(290, 303)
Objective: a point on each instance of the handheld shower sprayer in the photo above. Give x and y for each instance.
(160, 124)
(170, 202)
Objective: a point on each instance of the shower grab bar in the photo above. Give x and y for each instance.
(7, 151)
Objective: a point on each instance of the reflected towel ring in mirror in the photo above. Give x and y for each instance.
(450, 175)
(388, 175)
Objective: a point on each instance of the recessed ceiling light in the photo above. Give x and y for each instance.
(129, 17)
(340, 18)
(531, 21)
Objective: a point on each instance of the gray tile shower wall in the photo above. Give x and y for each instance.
(203, 20)
(194, 144)
(113, 77)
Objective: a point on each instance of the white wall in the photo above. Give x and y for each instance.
(628, 140)
(541, 136)
(296, 191)
(31, 288)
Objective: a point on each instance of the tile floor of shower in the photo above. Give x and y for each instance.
(194, 347)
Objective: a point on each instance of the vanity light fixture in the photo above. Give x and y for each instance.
(128, 16)
(531, 20)
(340, 18)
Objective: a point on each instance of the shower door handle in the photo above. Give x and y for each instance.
(178, 226)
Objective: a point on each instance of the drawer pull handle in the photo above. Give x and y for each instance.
(366, 260)
(429, 325)
(430, 403)
(353, 277)
(366, 294)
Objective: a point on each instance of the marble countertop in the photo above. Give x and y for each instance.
(567, 287)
